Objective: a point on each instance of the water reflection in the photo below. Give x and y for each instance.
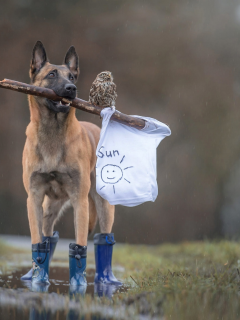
(35, 314)
(100, 290)
(36, 287)
(76, 293)
(105, 290)
(36, 307)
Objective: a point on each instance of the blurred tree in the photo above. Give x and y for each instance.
(176, 61)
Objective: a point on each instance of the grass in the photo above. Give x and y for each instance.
(4, 249)
(192, 280)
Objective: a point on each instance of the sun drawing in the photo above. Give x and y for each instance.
(112, 174)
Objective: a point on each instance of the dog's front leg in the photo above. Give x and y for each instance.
(35, 215)
(40, 249)
(78, 250)
(81, 217)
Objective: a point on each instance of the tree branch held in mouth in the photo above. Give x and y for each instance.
(76, 103)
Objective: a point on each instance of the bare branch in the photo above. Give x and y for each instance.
(76, 103)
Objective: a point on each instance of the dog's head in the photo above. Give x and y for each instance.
(60, 78)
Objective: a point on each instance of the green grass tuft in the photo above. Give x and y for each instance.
(192, 280)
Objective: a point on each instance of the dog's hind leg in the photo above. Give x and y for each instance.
(52, 210)
(92, 215)
(105, 211)
(106, 215)
(104, 241)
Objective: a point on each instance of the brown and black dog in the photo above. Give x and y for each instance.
(59, 156)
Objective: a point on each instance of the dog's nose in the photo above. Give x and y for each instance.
(71, 90)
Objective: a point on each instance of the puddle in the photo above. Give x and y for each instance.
(34, 314)
(59, 280)
(24, 301)
(59, 283)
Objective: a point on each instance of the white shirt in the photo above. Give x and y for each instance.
(126, 160)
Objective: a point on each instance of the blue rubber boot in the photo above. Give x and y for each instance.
(40, 261)
(103, 243)
(77, 265)
(53, 243)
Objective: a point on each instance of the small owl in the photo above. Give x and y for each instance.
(103, 91)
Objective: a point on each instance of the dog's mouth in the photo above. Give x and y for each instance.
(59, 106)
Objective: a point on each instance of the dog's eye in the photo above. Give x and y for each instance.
(71, 77)
(51, 75)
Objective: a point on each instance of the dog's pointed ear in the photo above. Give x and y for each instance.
(39, 58)
(71, 61)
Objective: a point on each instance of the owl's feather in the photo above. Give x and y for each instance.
(103, 91)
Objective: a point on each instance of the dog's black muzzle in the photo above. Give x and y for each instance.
(68, 91)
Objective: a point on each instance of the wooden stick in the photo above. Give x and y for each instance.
(76, 103)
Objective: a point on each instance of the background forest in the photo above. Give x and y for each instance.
(176, 61)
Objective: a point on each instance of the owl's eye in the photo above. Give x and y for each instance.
(71, 77)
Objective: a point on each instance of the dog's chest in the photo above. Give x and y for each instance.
(52, 174)
(50, 155)
(50, 148)
(50, 152)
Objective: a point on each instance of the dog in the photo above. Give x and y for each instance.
(59, 155)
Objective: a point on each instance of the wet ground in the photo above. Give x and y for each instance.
(19, 300)
(25, 302)
(59, 281)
